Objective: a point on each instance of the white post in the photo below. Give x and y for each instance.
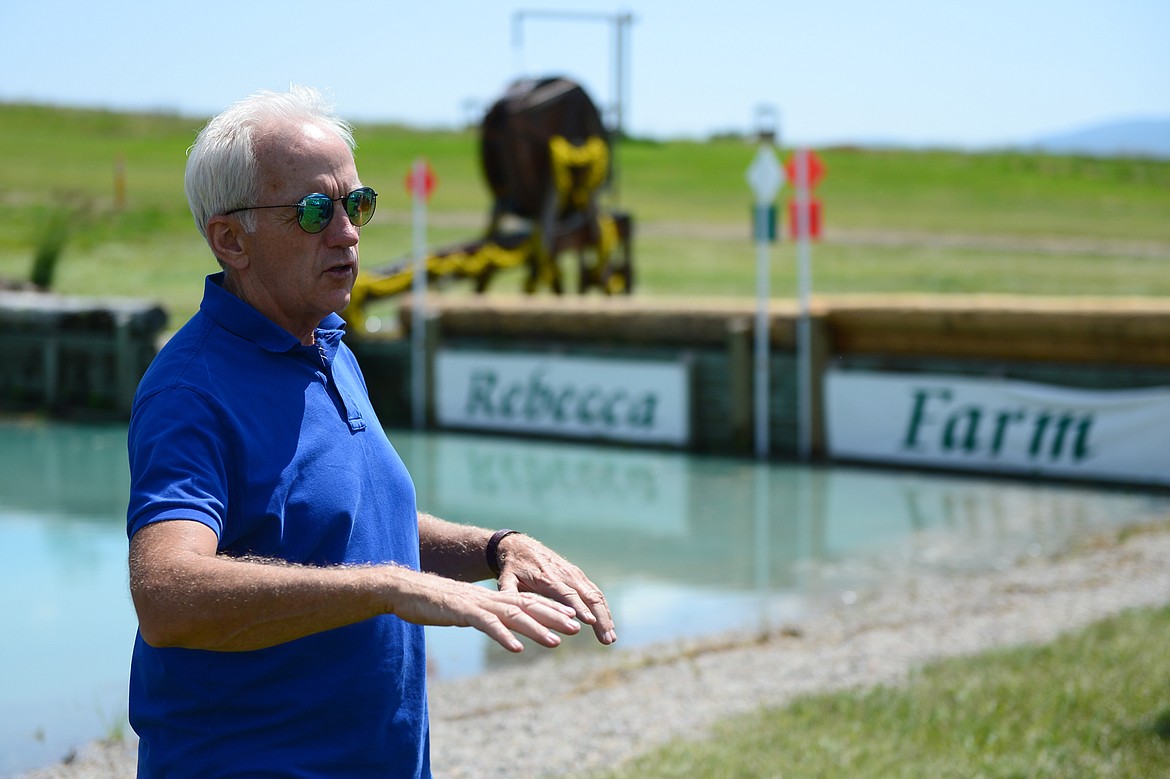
(763, 541)
(418, 361)
(765, 177)
(763, 343)
(804, 284)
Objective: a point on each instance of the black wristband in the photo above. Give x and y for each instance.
(493, 549)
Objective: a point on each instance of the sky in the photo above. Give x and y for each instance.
(949, 73)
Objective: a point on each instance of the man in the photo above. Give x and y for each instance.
(278, 564)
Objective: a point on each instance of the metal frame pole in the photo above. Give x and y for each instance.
(620, 22)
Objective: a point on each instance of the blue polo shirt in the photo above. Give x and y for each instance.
(275, 447)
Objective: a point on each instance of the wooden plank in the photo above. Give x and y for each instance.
(1089, 330)
(612, 319)
(1094, 331)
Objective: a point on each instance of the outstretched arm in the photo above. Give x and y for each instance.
(187, 595)
(526, 566)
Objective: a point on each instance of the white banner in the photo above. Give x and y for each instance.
(999, 425)
(582, 397)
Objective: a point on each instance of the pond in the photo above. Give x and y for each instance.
(683, 545)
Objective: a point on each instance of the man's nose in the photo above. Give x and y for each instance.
(341, 231)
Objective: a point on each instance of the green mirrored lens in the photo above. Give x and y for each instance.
(314, 213)
(360, 205)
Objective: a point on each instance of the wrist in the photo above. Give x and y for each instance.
(492, 551)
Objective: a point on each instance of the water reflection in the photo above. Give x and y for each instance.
(682, 545)
(68, 623)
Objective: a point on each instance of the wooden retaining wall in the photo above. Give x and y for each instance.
(1102, 343)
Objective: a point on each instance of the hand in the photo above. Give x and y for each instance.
(427, 599)
(528, 566)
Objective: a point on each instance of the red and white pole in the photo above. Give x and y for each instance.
(804, 286)
(420, 182)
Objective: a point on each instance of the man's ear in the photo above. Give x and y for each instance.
(225, 236)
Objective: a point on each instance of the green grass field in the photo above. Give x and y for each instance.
(1091, 704)
(896, 221)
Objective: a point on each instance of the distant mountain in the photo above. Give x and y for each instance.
(1133, 138)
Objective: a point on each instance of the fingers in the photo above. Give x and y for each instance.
(427, 599)
(529, 615)
(602, 621)
(572, 588)
(593, 610)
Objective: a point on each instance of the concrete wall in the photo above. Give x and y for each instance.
(72, 355)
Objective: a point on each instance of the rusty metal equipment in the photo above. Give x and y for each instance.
(545, 155)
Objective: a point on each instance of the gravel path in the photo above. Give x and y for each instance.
(557, 718)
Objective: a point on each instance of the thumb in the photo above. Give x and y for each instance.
(507, 582)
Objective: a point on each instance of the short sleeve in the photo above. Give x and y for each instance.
(180, 461)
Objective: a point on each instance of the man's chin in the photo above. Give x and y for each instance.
(339, 301)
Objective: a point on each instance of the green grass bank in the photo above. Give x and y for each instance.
(1093, 703)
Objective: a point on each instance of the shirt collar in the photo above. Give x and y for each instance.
(236, 316)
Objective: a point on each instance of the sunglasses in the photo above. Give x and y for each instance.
(315, 211)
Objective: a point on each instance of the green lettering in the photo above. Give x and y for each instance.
(584, 414)
(960, 431)
(1081, 443)
(1038, 431)
(918, 416)
(1079, 449)
(608, 410)
(642, 411)
(561, 411)
(1062, 425)
(1002, 420)
(479, 396)
(510, 400)
(539, 400)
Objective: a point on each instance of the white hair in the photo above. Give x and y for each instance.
(221, 165)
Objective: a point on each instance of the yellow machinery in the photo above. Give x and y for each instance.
(545, 156)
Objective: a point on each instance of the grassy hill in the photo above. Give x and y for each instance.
(896, 220)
